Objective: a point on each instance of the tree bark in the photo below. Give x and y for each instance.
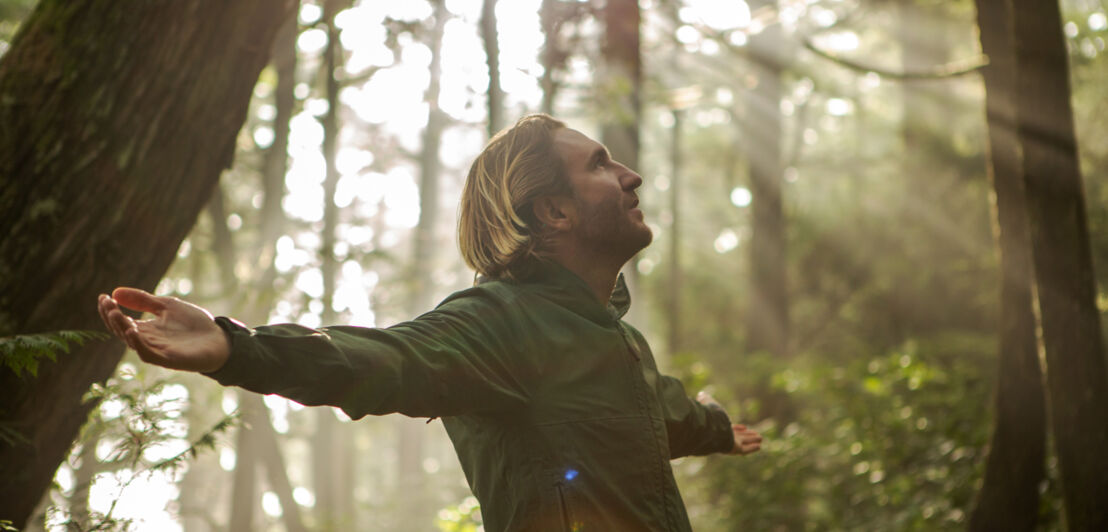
(491, 38)
(1075, 364)
(117, 120)
(1009, 497)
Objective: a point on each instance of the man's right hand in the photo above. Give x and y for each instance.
(179, 336)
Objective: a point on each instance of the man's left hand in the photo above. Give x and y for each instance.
(746, 440)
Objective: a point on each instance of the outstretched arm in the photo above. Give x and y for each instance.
(180, 335)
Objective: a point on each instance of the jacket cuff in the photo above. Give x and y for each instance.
(723, 438)
(234, 369)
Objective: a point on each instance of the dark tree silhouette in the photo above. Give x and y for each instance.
(117, 119)
(1009, 497)
(1076, 368)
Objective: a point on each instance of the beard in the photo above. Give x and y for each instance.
(610, 230)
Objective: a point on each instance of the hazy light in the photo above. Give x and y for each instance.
(410, 10)
(139, 501)
(303, 496)
(722, 14)
(310, 13)
(839, 41)
(401, 198)
(645, 266)
(1098, 21)
(271, 504)
(741, 197)
(310, 282)
(263, 136)
(687, 34)
(738, 38)
(822, 16)
(312, 41)
(726, 241)
(839, 106)
(1071, 29)
(227, 459)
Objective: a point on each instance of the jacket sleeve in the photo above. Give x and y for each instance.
(693, 428)
(453, 360)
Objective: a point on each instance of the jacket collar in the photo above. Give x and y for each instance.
(564, 287)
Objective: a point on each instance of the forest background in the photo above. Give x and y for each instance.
(826, 189)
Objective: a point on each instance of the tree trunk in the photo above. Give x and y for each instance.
(767, 313)
(550, 55)
(673, 298)
(416, 513)
(1009, 497)
(331, 458)
(491, 38)
(621, 99)
(117, 121)
(244, 479)
(1075, 364)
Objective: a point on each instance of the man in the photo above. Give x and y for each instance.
(555, 407)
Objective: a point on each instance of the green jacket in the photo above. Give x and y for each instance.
(555, 406)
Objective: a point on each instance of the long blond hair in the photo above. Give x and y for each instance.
(497, 231)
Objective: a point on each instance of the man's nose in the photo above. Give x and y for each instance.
(629, 179)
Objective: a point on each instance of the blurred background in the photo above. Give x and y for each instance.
(824, 260)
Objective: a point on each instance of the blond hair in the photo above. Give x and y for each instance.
(497, 231)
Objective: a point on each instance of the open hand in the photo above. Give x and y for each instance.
(746, 440)
(179, 336)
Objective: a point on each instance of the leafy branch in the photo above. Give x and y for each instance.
(23, 352)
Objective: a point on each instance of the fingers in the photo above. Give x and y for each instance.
(746, 441)
(113, 318)
(139, 300)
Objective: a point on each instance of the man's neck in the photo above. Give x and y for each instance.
(600, 275)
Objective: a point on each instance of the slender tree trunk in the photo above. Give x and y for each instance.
(673, 299)
(244, 480)
(767, 314)
(331, 457)
(271, 458)
(1076, 368)
(491, 38)
(117, 121)
(1009, 497)
(550, 55)
(417, 514)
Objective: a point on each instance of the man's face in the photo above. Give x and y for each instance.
(605, 202)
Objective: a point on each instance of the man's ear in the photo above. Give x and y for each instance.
(555, 213)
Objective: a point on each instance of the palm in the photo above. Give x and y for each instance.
(179, 336)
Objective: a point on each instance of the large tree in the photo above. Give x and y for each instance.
(1075, 363)
(117, 120)
(1009, 497)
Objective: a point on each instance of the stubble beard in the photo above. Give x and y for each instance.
(611, 231)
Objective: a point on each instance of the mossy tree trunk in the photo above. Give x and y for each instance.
(116, 120)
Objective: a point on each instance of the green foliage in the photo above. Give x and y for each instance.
(462, 517)
(140, 421)
(23, 352)
(878, 443)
